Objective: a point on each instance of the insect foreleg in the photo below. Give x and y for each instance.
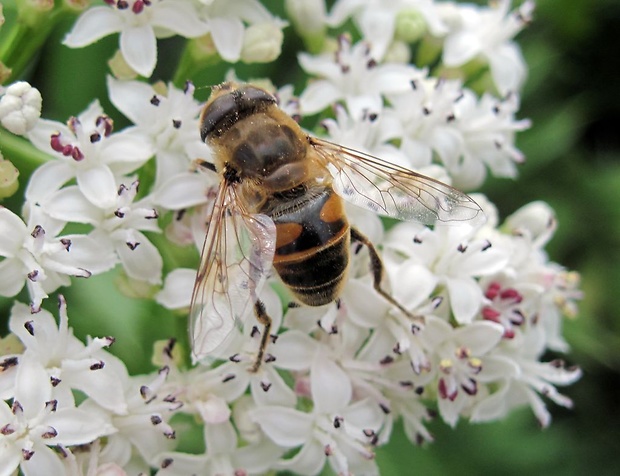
(376, 267)
(263, 318)
(201, 163)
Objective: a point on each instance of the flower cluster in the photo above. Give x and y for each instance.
(488, 301)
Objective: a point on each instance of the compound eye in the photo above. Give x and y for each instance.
(226, 110)
(218, 116)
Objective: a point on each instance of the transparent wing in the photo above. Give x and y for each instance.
(234, 263)
(388, 189)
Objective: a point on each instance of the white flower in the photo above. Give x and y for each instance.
(488, 128)
(35, 422)
(262, 43)
(143, 427)
(426, 114)
(20, 107)
(354, 76)
(555, 291)
(308, 16)
(167, 118)
(337, 430)
(458, 360)
(442, 120)
(223, 456)
(88, 151)
(226, 21)
(486, 32)
(176, 293)
(139, 23)
(455, 256)
(371, 133)
(70, 365)
(376, 19)
(34, 255)
(118, 227)
(529, 380)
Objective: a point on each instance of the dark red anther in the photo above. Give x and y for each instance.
(55, 142)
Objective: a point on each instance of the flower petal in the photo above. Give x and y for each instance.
(177, 290)
(284, 426)
(76, 426)
(44, 461)
(317, 96)
(227, 34)
(184, 190)
(330, 385)
(279, 392)
(132, 98)
(460, 47)
(480, 337)
(294, 350)
(47, 179)
(98, 185)
(140, 258)
(309, 460)
(178, 17)
(69, 204)
(13, 232)
(32, 386)
(139, 48)
(364, 306)
(219, 439)
(12, 277)
(89, 253)
(127, 150)
(465, 298)
(94, 24)
(507, 68)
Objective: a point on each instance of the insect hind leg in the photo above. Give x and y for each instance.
(376, 267)
(263, 318)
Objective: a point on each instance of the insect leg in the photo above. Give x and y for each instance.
(263, 318)
(376, 266)
(201, 163)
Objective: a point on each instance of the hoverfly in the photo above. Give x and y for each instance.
(280, 203)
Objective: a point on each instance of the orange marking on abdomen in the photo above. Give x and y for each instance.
(332, 209)
(287, 233)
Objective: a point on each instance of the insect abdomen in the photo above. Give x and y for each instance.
(312, 248)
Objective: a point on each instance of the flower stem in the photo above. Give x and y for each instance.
(21, 153)
(25, 38)
(197, 55)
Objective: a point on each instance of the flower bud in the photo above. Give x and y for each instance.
(308, 16)
(20, 107)
(536, 218)
(119, 67)
(9, 182)
(32, 12)
(262, 43)
(397, 52)
(410, 26)
(76, 5)
(134, 288)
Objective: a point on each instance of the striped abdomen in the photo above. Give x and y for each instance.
(312, 247)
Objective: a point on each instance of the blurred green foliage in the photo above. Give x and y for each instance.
(573, 163)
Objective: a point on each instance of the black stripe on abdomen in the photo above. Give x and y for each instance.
(316, 278)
